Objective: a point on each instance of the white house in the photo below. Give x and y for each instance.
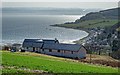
(53, 47)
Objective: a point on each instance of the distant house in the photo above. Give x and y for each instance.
(16, 47)
(53, 47)
(6, 47)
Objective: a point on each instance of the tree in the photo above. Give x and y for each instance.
(115, 45)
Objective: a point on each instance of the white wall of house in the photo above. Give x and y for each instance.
(54, 52)
(37, 49)
(28, 48)
(73, 54)
(80, 54)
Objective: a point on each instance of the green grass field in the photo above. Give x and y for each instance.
(50, 64)
(91, 24)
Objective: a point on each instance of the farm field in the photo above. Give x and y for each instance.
(90, 24)
(38, 63)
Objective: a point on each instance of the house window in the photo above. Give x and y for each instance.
(37, 48)
(50, 50)
(71, 52)
(58, 50)
(27, 47)
(42, 49)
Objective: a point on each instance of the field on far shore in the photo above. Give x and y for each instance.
(28, 62)
(90, 24)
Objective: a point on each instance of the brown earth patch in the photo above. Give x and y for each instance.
(102, 60)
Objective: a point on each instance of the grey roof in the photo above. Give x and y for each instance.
(31, 40)
(49, 41)
(36, 42)
(27, 44)
(40, 40)
(61, 46)
(16, 44)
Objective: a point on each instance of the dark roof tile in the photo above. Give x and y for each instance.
(61, 46)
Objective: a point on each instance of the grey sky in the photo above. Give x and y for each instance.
(60, 0)
(104, 5)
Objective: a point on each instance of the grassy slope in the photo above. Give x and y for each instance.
(90, 24)
(0, 63)
(36, 62)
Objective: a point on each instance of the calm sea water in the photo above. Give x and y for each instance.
(17, 27)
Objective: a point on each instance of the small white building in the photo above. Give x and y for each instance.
(53, 47)
(16, 47)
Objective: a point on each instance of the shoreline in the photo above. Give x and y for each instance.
(76, 41)
(80, 40)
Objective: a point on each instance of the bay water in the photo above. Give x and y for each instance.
(19, 26)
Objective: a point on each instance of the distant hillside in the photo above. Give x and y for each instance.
(101, 19)
(104, 14)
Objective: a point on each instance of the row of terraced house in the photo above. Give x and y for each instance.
(53, 47)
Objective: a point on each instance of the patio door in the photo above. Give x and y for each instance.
(33, 49)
